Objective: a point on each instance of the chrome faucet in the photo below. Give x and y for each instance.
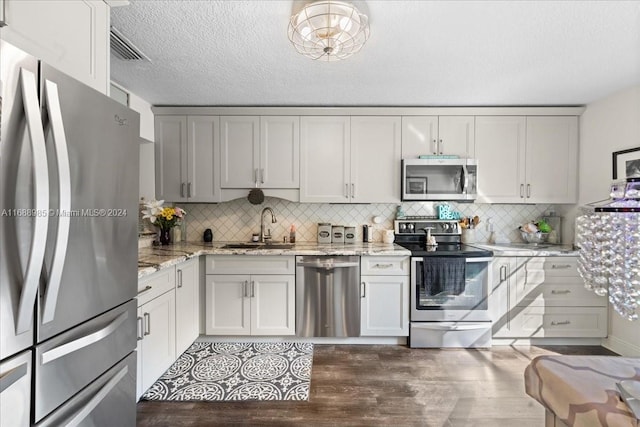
(266, 236)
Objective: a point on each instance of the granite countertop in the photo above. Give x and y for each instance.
(154, 258)
(528, 249)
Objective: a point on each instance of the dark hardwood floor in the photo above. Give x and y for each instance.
(374, 385)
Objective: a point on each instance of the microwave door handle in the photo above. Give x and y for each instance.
(41, 201)
(466, 179)
(64, 201)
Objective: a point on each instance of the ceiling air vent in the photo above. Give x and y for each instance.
(124, 49)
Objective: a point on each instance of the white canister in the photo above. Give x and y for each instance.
(337, 234)
(350, 234)
(468, 235)
(388, 236)
(324, 232)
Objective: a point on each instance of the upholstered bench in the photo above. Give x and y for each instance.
(581, 390)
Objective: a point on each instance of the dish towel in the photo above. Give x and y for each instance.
(444, 274)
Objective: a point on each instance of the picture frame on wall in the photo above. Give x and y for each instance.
(626, 163)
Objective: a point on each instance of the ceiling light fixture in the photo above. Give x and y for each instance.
(328, 30)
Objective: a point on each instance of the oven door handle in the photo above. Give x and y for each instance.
(441, 327)
(480, 259)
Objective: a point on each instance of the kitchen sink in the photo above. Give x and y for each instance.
(258, 246)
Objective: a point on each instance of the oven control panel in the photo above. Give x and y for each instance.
(419, 226)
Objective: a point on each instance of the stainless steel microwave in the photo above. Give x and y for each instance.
(439, 179)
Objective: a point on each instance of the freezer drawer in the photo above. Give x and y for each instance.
(69, 362)
(15, 391)
(108, 401)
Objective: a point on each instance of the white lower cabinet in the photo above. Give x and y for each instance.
(187, 304)
(168, 319)
(384, 308)
(259, 303)
(156, 339)
(544, 297)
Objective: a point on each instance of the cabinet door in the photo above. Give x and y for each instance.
(384, 306)
(158, 345)
(325, 161)
(187, 304)
(419, 136)
(273, 304)
(228, 305)
(375, 159)
(72, 36)
(171, 158)
(504, 271)
(203, 159)
(500, 150)
(456, 136)
(279, 152)
(552, 159)
(240, 151)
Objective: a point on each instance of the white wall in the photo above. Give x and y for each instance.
(608, 125)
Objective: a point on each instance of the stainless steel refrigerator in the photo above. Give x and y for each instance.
(68, 249)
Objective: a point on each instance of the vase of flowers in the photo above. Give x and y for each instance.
(165, 218)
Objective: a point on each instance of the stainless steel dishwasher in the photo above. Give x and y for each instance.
(328, 296)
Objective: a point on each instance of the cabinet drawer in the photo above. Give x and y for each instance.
(561, 266)
(560, 322)
(247, 264)
(156, 284)
(384, 266)
(557, 292)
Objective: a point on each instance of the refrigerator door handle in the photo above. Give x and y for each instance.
(9, 378)
(75, 345)
(64, 201)
(41, 201)
(97, 398)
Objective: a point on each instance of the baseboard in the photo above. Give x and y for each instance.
(546, 341)
(316, 340)
(623, 348)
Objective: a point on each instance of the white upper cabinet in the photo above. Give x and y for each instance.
(171, 158)
(500, 150)
(438, 135)
(240, 151)
(527, 159)
(325, 159)
(375, 159)
(187, 158)
(552, 160)
(72, 36)
(280, 152)
(260, 152)
(350, 159)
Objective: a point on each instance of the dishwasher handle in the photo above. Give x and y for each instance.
(328, 265)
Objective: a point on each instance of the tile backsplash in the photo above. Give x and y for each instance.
(237, 220)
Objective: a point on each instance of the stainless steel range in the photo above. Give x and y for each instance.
(450, 285)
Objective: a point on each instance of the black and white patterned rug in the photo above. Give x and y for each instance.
(237, 371)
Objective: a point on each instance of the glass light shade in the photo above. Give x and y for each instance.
(328, 30)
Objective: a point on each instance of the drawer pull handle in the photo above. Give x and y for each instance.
(383, 265)
(561, 291)
(363, 293)
(563, 322)
(560, 266)
(147, 288)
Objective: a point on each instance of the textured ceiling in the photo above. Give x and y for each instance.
(420, 53)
